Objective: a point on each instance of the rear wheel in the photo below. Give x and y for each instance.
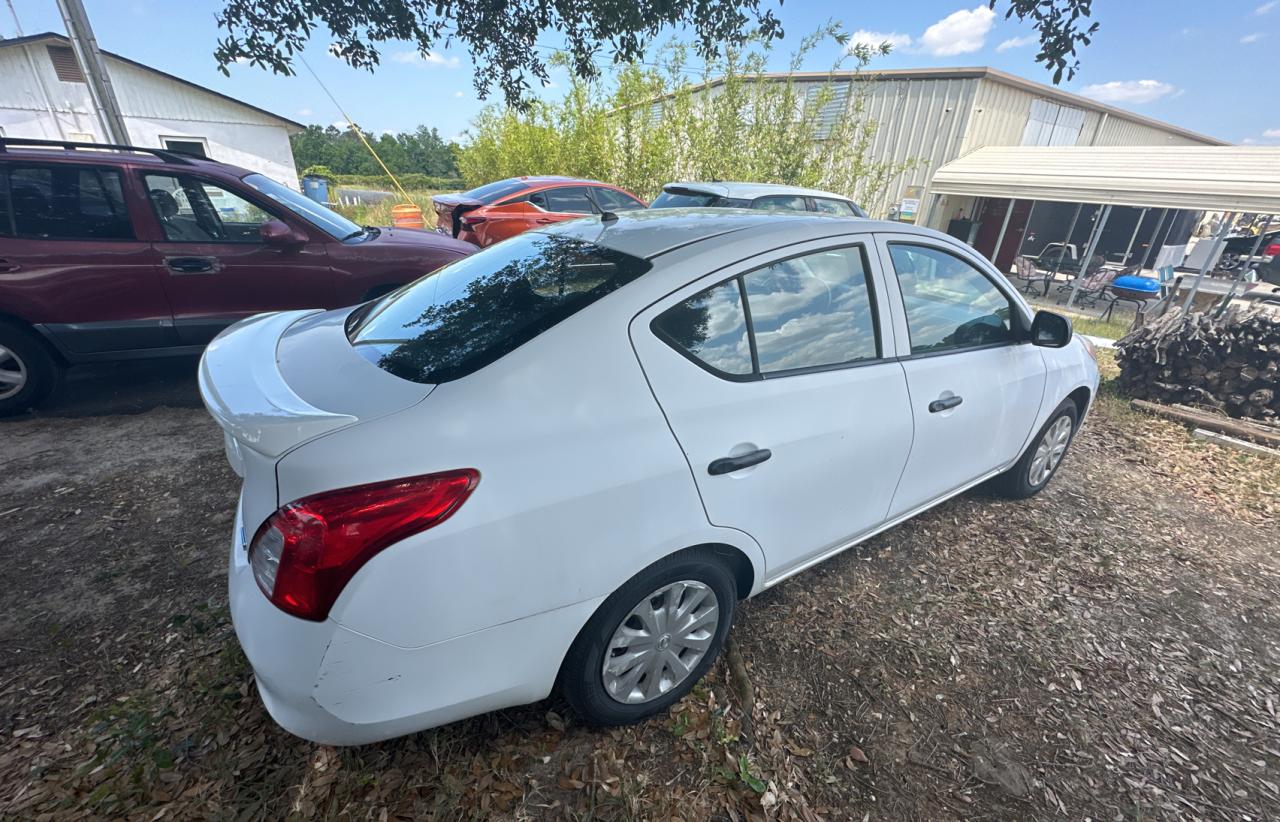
(651, 641)
(1040, 462)
(28, 371)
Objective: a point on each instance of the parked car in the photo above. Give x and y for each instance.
(496, 211)
(1236, 250)
(135, 252)
(567, 457)
(762, 196)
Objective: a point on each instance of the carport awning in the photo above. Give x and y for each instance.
(1198, 178)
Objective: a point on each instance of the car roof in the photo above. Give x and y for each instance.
(750, 191)
(650, 233)
(110, 156)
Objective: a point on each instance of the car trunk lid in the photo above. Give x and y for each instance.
(449, 210)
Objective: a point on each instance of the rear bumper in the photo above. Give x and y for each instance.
(326, 683)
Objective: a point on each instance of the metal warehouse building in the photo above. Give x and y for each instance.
(44, 95)
(932, 117)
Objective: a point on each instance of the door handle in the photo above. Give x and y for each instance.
(727, 465)
(6, 266)
(191, 265)
(943, 405)
(543, 220)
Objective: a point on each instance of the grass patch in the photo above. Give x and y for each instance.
(379, 214)
(1111, 329)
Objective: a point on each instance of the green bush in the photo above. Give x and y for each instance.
(647, 125)
(411, 182)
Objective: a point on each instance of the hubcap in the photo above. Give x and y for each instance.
(1050, 450)
(660, 642)
(13, 373)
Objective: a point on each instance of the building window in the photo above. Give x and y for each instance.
(79, 137)
(1051, 124)
(65, 64)
(187, 145)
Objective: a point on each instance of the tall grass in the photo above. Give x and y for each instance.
(379, 214)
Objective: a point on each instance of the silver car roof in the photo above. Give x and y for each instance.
(750, 191)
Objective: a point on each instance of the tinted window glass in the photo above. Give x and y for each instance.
(468, 314)
(6, 221)
(331, 222)
(712, 327)
(684, 199)
(68, 203)
(950, 304)
(197, 211)
(492, 192)
(780, 203)
(571, 200)
(811, 311)
(611, 200)
(187, 147)
(825, 206)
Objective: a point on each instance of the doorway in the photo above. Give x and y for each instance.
(991, 219)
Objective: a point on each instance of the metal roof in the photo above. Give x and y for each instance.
(1200, 178)
(62, 39)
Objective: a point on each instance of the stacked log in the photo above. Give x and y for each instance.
(1230, 364)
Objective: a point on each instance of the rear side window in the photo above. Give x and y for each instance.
(461, 318)
(68, 203)
(567, 200)
(611, 200)
(949, 303)
(811, 311)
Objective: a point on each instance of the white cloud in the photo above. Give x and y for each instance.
(873, 40)
(1129, 91)
(459, 94)
(1272, 133)
(1252, 38)
(960, 32)
(429, 59)
(1249, 141)
(1020, 42)
(1266, 7)
(304, 112)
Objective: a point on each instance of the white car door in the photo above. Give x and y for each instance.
(777, 378)
(976, 382)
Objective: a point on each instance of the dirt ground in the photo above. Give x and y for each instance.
(1109, 649)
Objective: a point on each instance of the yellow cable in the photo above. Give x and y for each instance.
(358, 132)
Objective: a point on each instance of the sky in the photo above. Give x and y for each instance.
(1203, 66)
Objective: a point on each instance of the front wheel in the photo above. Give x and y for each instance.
(651, 641)
(1040, 461)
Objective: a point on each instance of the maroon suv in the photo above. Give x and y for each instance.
(134, 252)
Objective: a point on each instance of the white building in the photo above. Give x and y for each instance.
(43, 95)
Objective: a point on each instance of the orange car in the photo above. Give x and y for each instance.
(496, 211)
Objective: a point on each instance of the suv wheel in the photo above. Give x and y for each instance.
(28, 372)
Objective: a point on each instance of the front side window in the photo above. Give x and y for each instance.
(464, 316)
(949, 303)
(780, 203)
(192, 210)
(611, 200)
(68, 203)
(811, 311)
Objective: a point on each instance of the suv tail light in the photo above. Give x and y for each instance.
(1273, 250)
(307, 551)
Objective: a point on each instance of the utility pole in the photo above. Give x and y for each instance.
(85, 46)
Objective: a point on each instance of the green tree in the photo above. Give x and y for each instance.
(502, 35)
(421, 151)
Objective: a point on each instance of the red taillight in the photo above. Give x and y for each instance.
(1273, 250)
(472, 220)
(306, 552)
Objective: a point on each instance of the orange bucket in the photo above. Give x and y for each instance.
(407, 215)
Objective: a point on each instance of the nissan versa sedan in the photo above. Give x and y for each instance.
(566, 458)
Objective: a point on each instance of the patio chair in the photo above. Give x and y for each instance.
(1024, 268)
(1093, 285)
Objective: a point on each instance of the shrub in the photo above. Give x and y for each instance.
(411, 182)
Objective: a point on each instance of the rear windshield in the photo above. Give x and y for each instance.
(684, 199)
(492, 192)
(466, 315)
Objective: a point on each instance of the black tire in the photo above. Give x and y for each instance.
(1016, 483)
(27, 355)
(582, 673)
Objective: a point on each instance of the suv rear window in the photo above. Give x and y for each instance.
(679, 198)
(461, 318)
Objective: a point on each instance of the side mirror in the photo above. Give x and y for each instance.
(277, 233)
(1050, 330)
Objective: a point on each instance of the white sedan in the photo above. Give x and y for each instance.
(566, 458)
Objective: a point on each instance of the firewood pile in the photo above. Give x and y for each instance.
(1231, 364)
